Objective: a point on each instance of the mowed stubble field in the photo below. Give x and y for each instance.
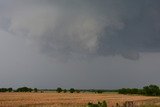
(65, 99)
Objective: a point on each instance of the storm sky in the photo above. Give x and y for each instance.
(79, 43)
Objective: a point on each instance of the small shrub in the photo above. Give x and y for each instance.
(78, 91)
(64, 90)
(99, 104)
(35, 90)
(99, 91)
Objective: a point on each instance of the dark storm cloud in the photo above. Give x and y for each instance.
(75, 28)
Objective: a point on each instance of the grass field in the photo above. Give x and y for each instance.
(66, 99)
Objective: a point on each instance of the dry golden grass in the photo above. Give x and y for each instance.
(64, 99)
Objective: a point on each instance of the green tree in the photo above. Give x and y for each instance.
(3, 89)
(10, 89)
(24, 89)
(151, 90)
(59, 90)
(72, 90)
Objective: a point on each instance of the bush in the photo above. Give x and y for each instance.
(64, 90)
(103, 104)
(78, 91)
(99, 91)
(35, 90)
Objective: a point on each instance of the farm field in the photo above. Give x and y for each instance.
(67, 99)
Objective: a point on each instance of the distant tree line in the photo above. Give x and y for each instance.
(100, 90)
(6, 89)
(72, 90)
(24, 89)
(151, 90)
(59, 90)
(21, 89)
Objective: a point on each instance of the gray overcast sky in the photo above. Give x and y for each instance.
(79, 43)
